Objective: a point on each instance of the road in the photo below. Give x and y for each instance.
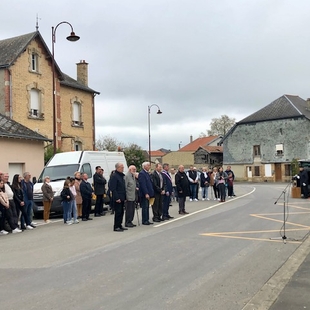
(217, 257)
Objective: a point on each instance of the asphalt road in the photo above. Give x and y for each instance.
(217, 257)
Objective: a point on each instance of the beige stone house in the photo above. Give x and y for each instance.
(22, 149)
(26, 93)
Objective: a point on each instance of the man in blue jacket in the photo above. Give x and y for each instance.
(146, 192)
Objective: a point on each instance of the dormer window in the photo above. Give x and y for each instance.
(34, 62)
(279, 149)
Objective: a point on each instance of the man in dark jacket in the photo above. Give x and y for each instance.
(159, 191)
(86, 193)
(303, 177)
(168, 192)
(182, 184)
(146, 192)
(99, 189)
(118, 189)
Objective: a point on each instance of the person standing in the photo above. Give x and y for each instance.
(27, 187)
(175, 193)
(73, 201)
(220, 180)
(168, 192)
(66, 198)
(99, 190)
(146, 192)
(48, 196)
(118, 189)
(303, 177)
(193, 182)
(182, 184)
(159, 191)
(229, 171)
(204, 184)
(78, 198)
(86, 193)
(131, 186)
(213, 181)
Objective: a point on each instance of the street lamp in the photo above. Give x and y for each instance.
(72, 37)
(149, 124)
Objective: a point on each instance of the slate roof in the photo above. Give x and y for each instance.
(12, 48)
(11, 129)
(287, 106)
(193, 146)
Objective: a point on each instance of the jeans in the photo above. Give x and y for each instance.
(67, 213)
(193, 189)
(29, 210)
(74, 209)
(205, 192)
(222, 191)
(145, 209)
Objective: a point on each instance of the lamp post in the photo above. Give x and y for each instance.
(72, 37)
(149, 125)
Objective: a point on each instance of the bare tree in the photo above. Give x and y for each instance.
(220, 126)
(108, 143)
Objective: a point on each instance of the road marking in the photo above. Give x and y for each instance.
(203, 210)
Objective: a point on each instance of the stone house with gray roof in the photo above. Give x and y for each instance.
(262, 146)
(26, 93)
(22, 149)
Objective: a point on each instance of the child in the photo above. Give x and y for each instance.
(230, 185)
(66, 197)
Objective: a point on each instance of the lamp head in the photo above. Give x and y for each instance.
(159, 112)
(72, 37)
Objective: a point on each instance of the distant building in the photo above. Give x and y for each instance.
(262, 146)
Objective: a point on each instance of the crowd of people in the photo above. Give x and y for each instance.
(154, 190)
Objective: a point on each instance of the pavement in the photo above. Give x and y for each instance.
(289, 287)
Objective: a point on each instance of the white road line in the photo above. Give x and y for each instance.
(202, 210)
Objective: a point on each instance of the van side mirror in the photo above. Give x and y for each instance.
(34, 180)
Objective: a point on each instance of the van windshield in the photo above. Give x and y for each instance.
(58, 173)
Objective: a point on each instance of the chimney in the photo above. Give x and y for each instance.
(190, 138)
(82, 72)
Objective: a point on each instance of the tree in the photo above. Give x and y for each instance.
(49, 153)
(108, 143)
(220, 126)
(134, 155)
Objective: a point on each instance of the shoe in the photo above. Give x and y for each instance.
(118, 229)
(129, 225)
(24, 227)
(16, 230)
(156, 220)
(89, 219)
(29, 227)
(123, 228)
(69, 223)
(196, 199)
(76, 222)
(218, 199)
(170, 217)
(134, 225)
(146, 223)
(181, 212)
(84, 219)
(150, 223)
(97, 215)
(202, 199)
(208, 199)
(34, 223)
(185, 212)
(229, 196)
(215, 199)
(166, 218)
(112, 212)
(190, 199)
(47, 221)
(3, 232)
(170, 205)
(103, 213)
(33, 226)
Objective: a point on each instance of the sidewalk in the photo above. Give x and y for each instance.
(289, 287)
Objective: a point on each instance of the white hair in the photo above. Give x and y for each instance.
(145, 164)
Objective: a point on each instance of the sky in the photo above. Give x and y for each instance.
(194, 59)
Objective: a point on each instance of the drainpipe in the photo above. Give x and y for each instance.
(10, 94)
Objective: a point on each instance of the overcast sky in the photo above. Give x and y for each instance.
(195, 59)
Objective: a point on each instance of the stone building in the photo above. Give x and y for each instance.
(262, 146)
(26, 93)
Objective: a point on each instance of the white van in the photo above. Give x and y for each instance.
(62, 165)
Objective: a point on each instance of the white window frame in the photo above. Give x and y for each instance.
(35, 103)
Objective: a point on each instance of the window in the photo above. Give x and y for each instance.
(256, 150)
(279, 149)
(256, 171)
(287, 168)
(34, 62)
(77, 146)
(35, 104)
(86, 169)
(76, 114)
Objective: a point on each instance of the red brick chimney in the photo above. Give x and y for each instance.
(82, 72)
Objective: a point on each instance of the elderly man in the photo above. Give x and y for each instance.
(99, 189)
(130, 182)
(146, 192)
(168, 192)
(182, 183)
(118, 189)
(159, 191)
(86, 193)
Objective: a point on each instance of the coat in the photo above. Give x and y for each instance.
(99, 184)
(168, 182)
(65, 193)
(47, 192)
(117, 186)
(204, 180)
(130, 183)
(182, 184)
(145, 184)
(156, 182)
(86, 190)
(78, 197)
